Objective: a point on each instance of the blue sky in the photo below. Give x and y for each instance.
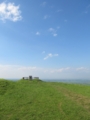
(49, 39)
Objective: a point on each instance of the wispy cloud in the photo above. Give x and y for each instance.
(51, 55)
(46, 16)
(53, 31)
(65, 20)
(9, 11)
(43, 4)
(59, 70)
(43, 52)
(55, 35)
(86, 12)
(88, 6)
(82, 69)
(58, 27)
(17, 71)
(52, 6)
(37, 33)
(60, 10)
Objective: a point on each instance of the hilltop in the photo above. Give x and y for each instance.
(38, 100)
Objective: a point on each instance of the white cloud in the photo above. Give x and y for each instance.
(82, 69)
(8, 11)
(17, 71)
(50, 55)
(26, 68)
(55, 35)
(59, 70)
(37, 33)
(53, 31)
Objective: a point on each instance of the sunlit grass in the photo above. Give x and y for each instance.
(37, 100)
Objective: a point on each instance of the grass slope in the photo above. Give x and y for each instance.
(37, 100)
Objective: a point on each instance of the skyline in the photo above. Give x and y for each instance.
(49, 39)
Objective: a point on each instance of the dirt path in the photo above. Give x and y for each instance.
(78, 98)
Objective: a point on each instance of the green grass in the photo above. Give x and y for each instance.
(37, 100)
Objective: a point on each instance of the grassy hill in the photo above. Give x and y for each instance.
(37, 100)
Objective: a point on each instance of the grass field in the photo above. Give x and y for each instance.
(37, 100)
